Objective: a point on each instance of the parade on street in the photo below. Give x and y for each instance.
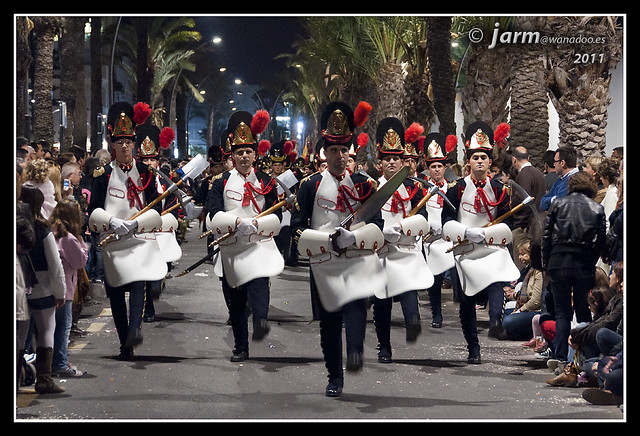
(300, 219)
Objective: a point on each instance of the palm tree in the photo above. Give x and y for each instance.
(579, 85)
(23, 61)
(441, 71)
(529, 99)
(71, 76)
(45, 29)
(486, 89)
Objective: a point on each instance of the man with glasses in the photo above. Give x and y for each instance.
(565, 164)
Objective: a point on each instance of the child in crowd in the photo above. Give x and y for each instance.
(66, 223)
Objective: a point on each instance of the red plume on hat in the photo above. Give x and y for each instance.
(167, 135)
(263, 146)
(501, 134)
(141, 112)
(362, 140)
(412, 133)
(421, 143)
(287, 147)
(260, 121)
(451, 143)
(361, 114)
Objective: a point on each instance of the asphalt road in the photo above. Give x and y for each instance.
(182, 371)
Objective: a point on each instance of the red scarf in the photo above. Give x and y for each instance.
(481, 198)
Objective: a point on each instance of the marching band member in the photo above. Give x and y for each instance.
(339, 283)
(435, 248)
(149, 140)
(250, 255)
(121, 190)
(483, 263)
(401, 255)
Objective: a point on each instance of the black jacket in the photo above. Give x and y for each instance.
(575, 224)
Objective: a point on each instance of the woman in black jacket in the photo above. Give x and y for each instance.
(573, 239)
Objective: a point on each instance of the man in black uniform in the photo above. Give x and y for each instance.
(339, 283)
(483, 263)
(250, 256)
(120, 190)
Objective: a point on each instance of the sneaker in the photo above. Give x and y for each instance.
(552, 364)
(67, 371)
(546, 354)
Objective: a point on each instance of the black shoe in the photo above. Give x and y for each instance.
(354, 362)
(496, 331)
(239, 356)
(148, 318)
(126, 354)
(333, 390)
(134, 339)
(260, 330)
(474, 358)
(384, 355)
(413, 330)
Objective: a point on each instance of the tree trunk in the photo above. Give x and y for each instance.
(95, 47)
(23, 62)
(71, 78)
(529, 100)
(580, 86)
(441, 72)
(45, 30)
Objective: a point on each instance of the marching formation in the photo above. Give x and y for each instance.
(367, 240)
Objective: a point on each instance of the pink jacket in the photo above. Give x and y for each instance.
(73, 254)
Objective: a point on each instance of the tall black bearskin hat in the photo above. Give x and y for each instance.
(150, 139)
(390, 137)
(338, 122)
(243, 128)
(438, 146)
(123, 118)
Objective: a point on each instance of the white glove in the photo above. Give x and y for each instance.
(122, 227)
(246, 227)
(345, 238)
(435, 227)
(474, 234)
(392, 233)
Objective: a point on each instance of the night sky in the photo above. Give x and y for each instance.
(250, 43)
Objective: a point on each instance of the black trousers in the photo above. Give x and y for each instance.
(354, 317)
(493, 294)
(569, 287)
(131, 322)
(256, 294)
(382, 316)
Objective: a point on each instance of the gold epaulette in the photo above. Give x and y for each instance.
(216, 177)
(97, 172)
(304, 179)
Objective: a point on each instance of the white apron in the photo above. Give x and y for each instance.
(480, 265)
(435, 248)
(352, 276)
(246, 257)
(136, 256)
(403, 262)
